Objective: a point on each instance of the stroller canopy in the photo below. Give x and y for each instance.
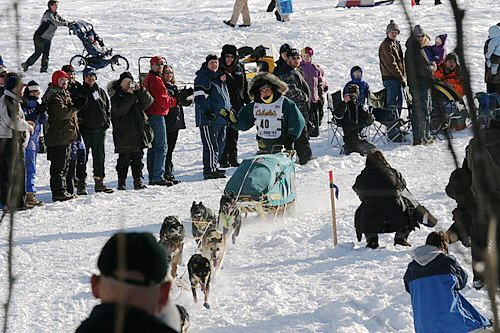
(81, 28)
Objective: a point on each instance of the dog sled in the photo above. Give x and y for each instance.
(258, 55)
(265, 184)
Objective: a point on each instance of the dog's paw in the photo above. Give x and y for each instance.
(206, 305)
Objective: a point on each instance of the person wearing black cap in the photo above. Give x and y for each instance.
(77, 168)
(281, 62)
(211, 96)
(237, 86)
(298, 91)
(43, 36)
(14, 135)
(94, 117)
(130, 134)
(483, 160)
(137, 286)
(36, 113)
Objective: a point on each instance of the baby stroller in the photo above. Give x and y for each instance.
(95, 53)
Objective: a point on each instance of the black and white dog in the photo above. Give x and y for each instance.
(229, 216)
(202, 217)
(199, 271)
(172, 239)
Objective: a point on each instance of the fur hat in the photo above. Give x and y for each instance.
(211, 57)
(125, 75)
(392, 26)
(229, 49)
(143, 256)
(263, 79)
(58, 75)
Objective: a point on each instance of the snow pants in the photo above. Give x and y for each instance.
(7, 178)
(134, 160)
(213, 140)
(59, 161)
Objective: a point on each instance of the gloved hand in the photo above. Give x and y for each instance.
(210, 115)
(229, 115)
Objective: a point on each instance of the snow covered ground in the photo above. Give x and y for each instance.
(284, 275)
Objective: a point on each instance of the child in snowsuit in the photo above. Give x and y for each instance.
(34, 112)
(493, 49)
(438, 49)
(357, 79)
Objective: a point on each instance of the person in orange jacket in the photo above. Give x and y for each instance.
(449, 72)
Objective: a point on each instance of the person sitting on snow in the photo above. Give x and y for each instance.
(357, 79)
(278, 120)
(353, 117)
(434, 279)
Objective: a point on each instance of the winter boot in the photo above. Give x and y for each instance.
(62, 197)
(25, 66)
(32, 201)
(45, 66)
(402, 242)
(81, 187)
(372, 244)
(122, 184)
(100, 187)
(138, 184)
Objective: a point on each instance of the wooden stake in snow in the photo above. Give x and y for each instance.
(334, 213)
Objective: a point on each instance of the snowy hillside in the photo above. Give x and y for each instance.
(284, 275)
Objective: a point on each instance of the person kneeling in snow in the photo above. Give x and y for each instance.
(352, 117)
(433, 280)
(277, 118)
(385, 203)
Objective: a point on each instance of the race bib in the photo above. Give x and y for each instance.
(268, 119)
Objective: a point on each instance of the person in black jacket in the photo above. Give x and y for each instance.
(130, 132)
(43, 36)
(94, 118)
(174, 120)
(141, 290)
(352, 117)
(383, 209)
(281, 62)
(298, 91)
(237, 87)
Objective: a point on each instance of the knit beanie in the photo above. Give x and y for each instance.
(68, 69)
(125, 75)
(58, 75)
(33, 86)
(211, 57)
(284, 48)
(392, 26)
(12, 82)
(419, 31)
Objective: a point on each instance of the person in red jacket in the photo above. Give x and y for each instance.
(449, 73)
(156, 113)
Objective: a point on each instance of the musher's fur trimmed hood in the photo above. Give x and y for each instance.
(264, 78)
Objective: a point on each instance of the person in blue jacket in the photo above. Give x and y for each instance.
(211, 96)
(357, 79)
(35, 113)
(433, 280)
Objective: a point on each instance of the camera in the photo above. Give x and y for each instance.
(134, 85)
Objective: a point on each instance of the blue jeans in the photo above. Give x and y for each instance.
(30, 170)
(394, 93)
(158, 153)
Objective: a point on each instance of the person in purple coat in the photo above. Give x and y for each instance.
(438, 49)
(314, 76)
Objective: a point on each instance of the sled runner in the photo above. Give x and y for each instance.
(265, 183)
(258, 55)
(95, 54)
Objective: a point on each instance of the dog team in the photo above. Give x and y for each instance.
(211, 233)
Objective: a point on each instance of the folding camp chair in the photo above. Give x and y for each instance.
(486, 105)
(448, 112)
(389, 126)
(334, 100)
